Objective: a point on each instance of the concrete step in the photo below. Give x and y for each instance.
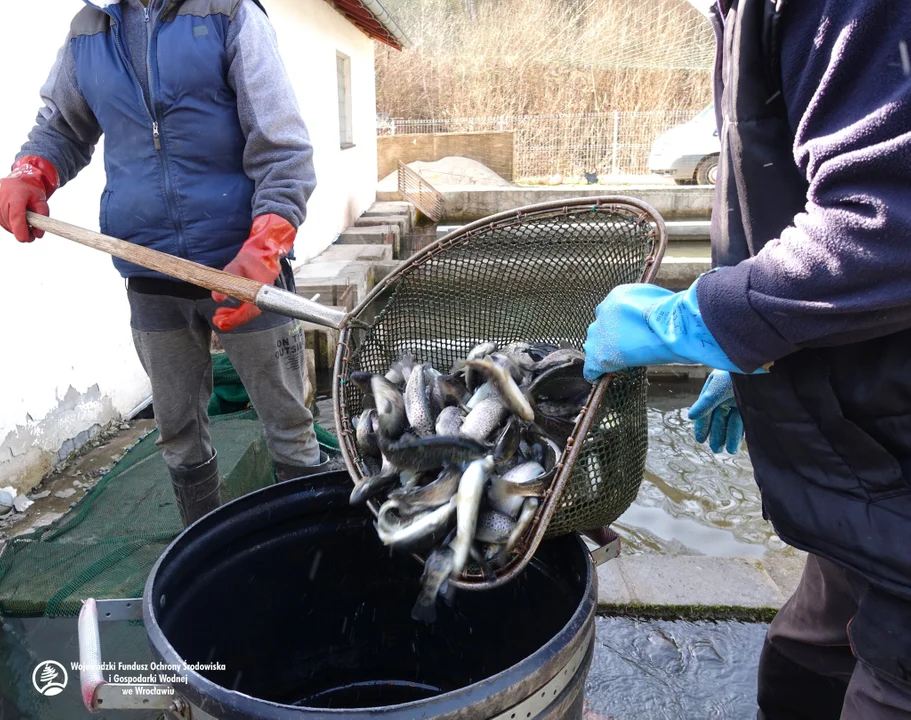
(338, 283)
(403, 222)
(394, 207)
(688, 230)
(354, 253)
(683, 262)
(382, 270)
(380, 235)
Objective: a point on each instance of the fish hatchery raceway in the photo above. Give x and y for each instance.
(683, 609)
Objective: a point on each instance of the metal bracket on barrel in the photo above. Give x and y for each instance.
(97, 693)
(606, 552)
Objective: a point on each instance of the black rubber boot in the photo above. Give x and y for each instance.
(197, 490)
(285, 472)
(788, 691)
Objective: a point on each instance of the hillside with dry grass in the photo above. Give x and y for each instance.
(486, 58)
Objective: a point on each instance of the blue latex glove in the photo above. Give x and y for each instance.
(716, 414)
(641, 324)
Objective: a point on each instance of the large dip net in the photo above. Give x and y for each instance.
(535, 274)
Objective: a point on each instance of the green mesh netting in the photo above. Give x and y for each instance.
(229, 395)
(107, 545)
(228, 392)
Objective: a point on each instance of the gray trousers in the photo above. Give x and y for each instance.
(173, 334)
(812, 668)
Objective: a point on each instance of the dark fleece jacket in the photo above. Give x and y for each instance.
(841, 273)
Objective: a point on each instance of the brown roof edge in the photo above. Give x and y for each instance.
(373, 19)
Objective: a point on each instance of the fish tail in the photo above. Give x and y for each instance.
(425, 608)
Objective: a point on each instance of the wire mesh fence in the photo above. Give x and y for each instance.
(606, 143)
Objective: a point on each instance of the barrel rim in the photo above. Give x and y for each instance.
(210, 697)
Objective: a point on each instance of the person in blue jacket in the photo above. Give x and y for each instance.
(208, 159)
(806, 317)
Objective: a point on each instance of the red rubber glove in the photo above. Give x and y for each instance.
(271, 238)
(32, 181)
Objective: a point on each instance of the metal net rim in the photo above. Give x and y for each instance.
(610, 204)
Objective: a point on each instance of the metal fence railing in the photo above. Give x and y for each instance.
(420, 193)
(616, 143)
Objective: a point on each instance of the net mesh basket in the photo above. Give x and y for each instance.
(535, 274)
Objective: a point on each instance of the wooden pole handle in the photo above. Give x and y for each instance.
(233, 286)
(265, 297)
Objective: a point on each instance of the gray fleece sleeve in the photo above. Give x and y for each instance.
(278, 156)
(66, 131)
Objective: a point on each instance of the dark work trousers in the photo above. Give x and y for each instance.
(836, 650)
(172, 331)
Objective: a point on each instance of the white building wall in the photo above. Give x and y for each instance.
(67, 363)
(310, 33)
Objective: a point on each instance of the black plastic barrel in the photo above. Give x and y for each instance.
(290, 592)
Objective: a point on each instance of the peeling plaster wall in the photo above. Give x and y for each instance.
(67, 363)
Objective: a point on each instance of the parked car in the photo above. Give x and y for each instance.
(688, 153)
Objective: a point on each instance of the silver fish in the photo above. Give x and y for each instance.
(430, 374)
(500, 499)
(417, 405)
(477, 352)
(483, 420)
(482, 350)
(366, 434)
(550, 451)
(449, 421)
(525, 474)
(362, 380)
(494, 527)
(390, 409)
(525, 362)
(410, 533)
(513, 398)
(562, 384)
(432, 452)
(558, 409)
(370, 466)
(439, 492)
(508, 363)
(468, 500)
(401, 370)
(556, 428)
(446, 391)
(508, 442)
(437, 569)
(529, 510)
(372, 486)
(482, 393)
(560, 357)
(410, 479)
(508, 492)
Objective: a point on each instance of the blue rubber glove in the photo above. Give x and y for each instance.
(716, 414)
(641, 324)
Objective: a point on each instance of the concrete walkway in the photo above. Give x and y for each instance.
(697, 587)
(468, 203)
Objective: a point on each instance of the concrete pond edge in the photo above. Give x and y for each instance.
(698, 587)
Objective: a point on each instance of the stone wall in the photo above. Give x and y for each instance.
(494, 149)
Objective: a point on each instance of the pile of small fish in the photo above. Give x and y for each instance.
(462, 460)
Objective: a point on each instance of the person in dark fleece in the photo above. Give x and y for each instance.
(806, 317)
(207, 158)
